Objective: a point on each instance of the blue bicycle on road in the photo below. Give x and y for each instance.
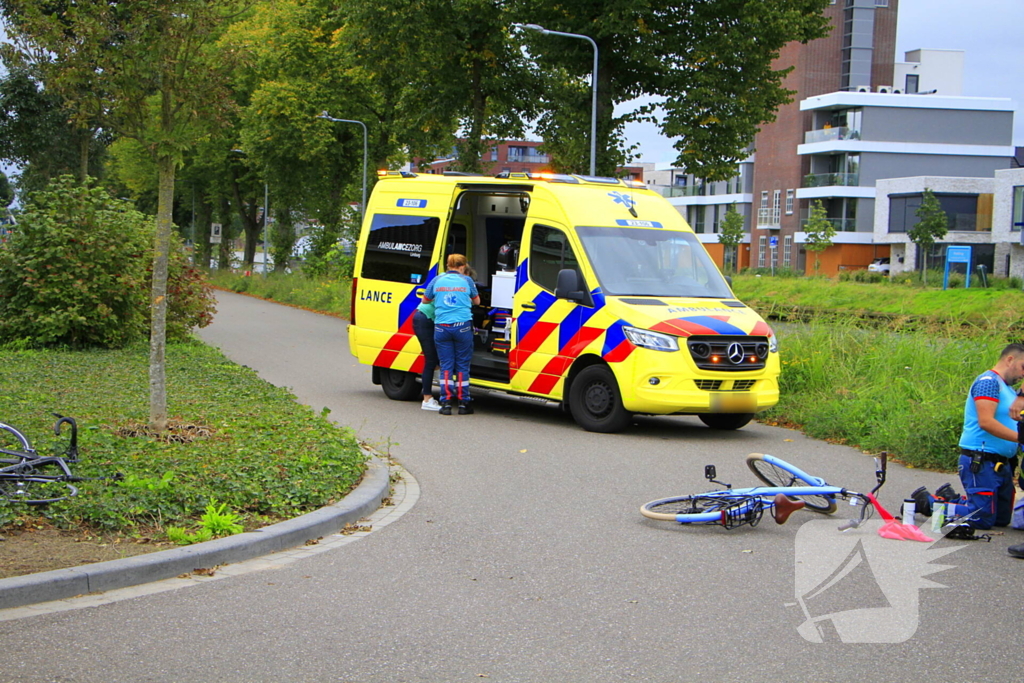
(788, 489)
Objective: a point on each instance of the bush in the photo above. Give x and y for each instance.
(76, 273)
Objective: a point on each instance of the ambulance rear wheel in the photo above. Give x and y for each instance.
(595, 402)
(399, 385)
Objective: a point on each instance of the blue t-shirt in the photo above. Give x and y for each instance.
(452, 294)
(989, 386)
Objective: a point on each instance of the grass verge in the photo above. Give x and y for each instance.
(263, 455)
(899, 305)
(321, 295)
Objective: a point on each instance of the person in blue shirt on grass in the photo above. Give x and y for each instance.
(453, 294)
(988, 449)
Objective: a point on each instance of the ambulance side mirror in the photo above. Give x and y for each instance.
(568, 286)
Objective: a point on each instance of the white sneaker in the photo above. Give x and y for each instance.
(431, 404)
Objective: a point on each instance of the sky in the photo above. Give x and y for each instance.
(987, 30)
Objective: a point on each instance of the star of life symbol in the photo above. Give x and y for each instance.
(857, 587)
(623, 198)
(451, 300)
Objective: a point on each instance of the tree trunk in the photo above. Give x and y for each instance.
(250, 224)
(158, 329)
(83, 155)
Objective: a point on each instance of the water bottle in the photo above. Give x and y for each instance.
(909, 508)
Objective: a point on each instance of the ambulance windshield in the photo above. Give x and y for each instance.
(652, 262)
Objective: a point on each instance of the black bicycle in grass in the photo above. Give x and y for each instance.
(28, 477)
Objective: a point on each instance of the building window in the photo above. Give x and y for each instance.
(961, 212)
(699, 225)
(776, 205)
(881, 3)
(764, 199)
(787, 250)
(517, 153)
(789, 201)
(494, 153)
(913, 83)
(1018, 208)
(761, 242)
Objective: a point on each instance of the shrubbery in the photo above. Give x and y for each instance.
(76, 273)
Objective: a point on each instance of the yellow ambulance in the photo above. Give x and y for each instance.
(594, 293)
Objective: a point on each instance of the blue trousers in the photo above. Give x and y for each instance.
(423, 327)
(455, 351)
(989, 493)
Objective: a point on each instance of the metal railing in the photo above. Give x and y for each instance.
(828, 134)
(831, 179)
(839, 224)
(528, 158)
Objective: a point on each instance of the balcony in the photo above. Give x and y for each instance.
(678, 190)
(528, 158)
(769, 219)
(830, 134)
(832, 180)
(838, 224)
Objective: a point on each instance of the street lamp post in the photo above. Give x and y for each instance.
(325, 115)
(593, 86)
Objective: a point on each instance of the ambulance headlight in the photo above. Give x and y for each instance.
(655, 341)
(773, 343)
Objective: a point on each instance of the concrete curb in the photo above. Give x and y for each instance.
(132, 571)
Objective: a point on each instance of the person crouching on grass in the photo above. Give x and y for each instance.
(453, 295)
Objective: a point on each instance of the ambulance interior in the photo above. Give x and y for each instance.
(487, 226)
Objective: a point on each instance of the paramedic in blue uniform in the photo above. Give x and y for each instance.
(988, 446)
(453, 295)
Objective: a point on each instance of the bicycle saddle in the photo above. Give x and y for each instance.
(784, 507)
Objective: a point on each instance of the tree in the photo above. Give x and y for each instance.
(35, 132)
(711, 62)
(820, 231)
(932, 225)
(152, 59)
(731, 233)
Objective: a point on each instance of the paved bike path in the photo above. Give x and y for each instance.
(525, 559)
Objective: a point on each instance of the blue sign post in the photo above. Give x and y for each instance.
(957, 255)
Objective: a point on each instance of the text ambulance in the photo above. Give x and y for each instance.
(594, 293)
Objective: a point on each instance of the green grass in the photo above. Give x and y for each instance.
(267, 457)
(897, 304)
(321, 294)
(881, 391)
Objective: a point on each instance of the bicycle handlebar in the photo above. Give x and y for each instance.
(72, 453)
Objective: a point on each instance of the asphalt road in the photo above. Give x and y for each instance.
(526, 559)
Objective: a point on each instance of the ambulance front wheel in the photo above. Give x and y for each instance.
(726, 420)
(595, 402)
(399, 385)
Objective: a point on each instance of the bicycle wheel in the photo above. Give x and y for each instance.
(772, 472)
(35, 490)
(698, 509)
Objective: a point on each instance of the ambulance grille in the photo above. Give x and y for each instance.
(728, 353)
(716, 384)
